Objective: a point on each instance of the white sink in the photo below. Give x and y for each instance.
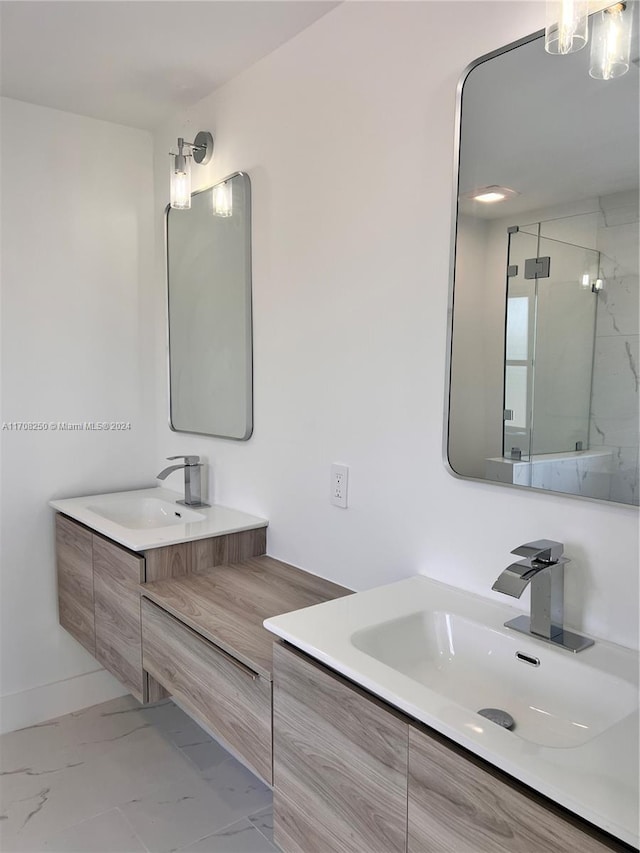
(441, 654)
(560, 702)
(153, 518)
(143, 513)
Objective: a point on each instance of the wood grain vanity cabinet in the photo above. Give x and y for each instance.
(458, 804)
(99, 601)
(74, 557)
(352, 775)
(231, 699)
(340, 763)
(204, 641)
(99, 591)
(117, 575)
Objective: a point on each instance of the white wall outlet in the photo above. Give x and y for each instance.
(339, 485)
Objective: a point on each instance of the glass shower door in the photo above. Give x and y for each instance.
(564, 348)
(519, 346)
(549, 344)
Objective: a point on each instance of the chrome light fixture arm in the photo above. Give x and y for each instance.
(201, 151)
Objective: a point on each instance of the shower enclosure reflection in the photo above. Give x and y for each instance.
(550, 335)
(554, 374)
(544, 361)
(563, 397)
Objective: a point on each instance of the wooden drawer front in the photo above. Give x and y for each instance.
(117, 575)
(457, 805)
(74, 557)
(340, 764)
(225, 695)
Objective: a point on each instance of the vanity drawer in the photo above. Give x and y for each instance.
(224, 694)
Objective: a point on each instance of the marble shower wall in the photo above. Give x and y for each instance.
(615, 421)
(586, 473)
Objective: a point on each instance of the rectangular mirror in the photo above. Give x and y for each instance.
(209, 312)
(544, 367)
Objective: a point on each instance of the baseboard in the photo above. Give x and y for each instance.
(30, 707)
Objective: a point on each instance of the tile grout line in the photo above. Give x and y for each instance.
(266, 837)
(44, 838)
(257, 814)
(133, 831)
(213, 834)
(115, 809)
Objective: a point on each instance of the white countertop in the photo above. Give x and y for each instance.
(597, 779)
(217, 521)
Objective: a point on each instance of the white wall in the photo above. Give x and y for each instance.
(347, 134)
(76, 346)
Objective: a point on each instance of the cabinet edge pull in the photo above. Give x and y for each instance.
(242, 667)
(250, 673)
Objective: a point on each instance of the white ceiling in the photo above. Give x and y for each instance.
(136, 62)
(540, 125)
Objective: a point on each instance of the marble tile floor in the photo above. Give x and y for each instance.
(122, 778)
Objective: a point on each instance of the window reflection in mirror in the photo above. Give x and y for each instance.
(544, 365)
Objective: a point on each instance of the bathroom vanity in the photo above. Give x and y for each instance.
(178, 610)
(101, 563)
(379, 698)
(353, 774)
(363, 714)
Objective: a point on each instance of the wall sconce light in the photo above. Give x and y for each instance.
(597, 285)
(201, 150)
(567, 31)
(567, 26)
(223, 199)
(611, 42)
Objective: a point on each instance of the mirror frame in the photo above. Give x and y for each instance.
(451, 295)
(249, 242)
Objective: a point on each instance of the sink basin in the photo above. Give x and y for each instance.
(142, 519)
(440, 655)
(559, 702)
(145, 513)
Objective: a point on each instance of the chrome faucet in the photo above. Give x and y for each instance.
(543, 568)
(192, 479)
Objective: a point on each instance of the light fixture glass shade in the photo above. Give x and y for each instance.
(223, 199)
(567, 26)
(611, 42)
(181, 182)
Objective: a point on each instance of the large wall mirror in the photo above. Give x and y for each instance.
(544, 366)
(209, 312)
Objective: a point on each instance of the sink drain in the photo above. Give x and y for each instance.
(496, 715)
